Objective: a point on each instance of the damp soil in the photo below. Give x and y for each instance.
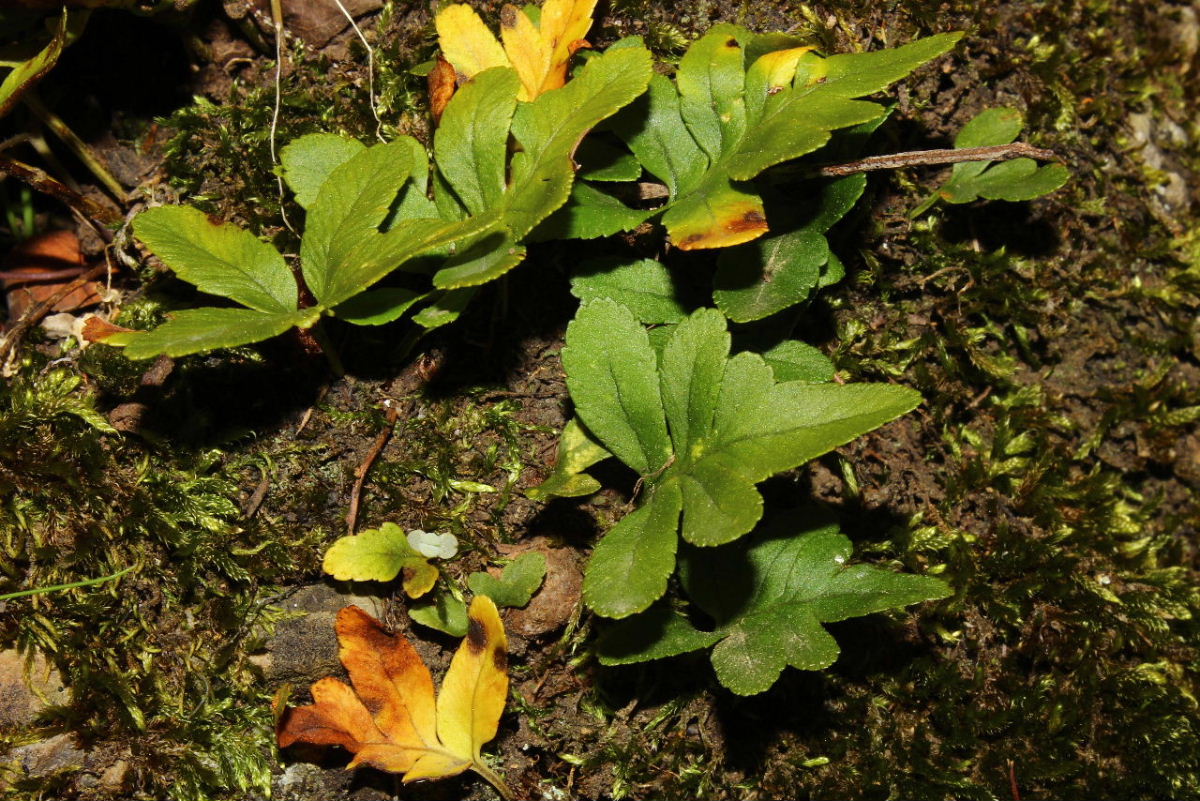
(1051, 474)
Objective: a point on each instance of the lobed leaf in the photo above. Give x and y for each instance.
(715, 427)
(198, 330)
(308, 160)
(517, 583)
(769, 596)
(380, 555)
(742, 121)
(220, 259)
(1016, 180)
(390, 720)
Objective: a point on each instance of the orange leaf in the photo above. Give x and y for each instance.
(441, 81)
(96, 329)
(39, 267)
(390, 719)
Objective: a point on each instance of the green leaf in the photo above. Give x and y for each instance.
(658, 633)
(858, 74)
(517, 583)
(472, 138)
(379, 254)
(600, 161)
(577, 451)
(711, 82)
(993, 126)
(379, 555)
(712, 206)
(309, 160)
(28, 72)
(589, 214)
(612, 377)
(486, 260)
(192, 331)
(444, 611)
(765, 276)
(770, 594)
(551, 127)
(378, 306)
(796, 361)
(768, 275)
(730, 426)
(630, 566)
(644, 286)
(1014, 181)
(690, 373)
(198, 330)
(220, 259)
(653, 128)
(351, 205)
(445, 309)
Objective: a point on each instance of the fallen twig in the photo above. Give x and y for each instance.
(360, 475)
(924, 158)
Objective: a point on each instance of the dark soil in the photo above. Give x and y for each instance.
(1051, 475)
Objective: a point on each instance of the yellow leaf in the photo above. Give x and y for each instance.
(564, 23)
(720, 217)
(526, 50)
(390, 720)
(777, 68)
(540, 54)
(476, 686)
(466, 42)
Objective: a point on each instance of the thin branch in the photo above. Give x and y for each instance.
(96, 215)
(924, 158)
(360, 475)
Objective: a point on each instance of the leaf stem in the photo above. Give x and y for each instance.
(71, 586)
(493, 778)
(327, 349)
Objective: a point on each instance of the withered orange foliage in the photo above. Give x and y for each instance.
(539, 52)
(390, 719)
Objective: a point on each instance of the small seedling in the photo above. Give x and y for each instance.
(1016, 180)
(447, 611)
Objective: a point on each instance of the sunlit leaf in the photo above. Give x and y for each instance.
(390, 720)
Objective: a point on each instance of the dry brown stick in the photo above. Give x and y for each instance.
(35, 315)
(98, 216)
(924, 158)
(360, 475)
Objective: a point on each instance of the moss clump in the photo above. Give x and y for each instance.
(156, 662)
